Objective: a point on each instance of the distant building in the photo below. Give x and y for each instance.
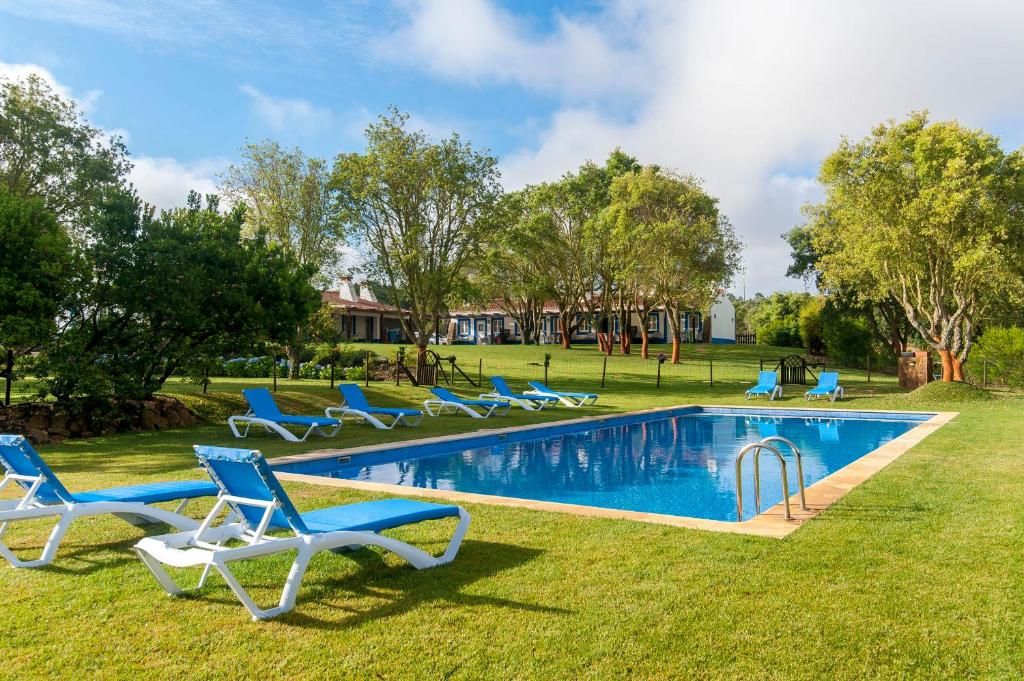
(360, 317)
(485, 324)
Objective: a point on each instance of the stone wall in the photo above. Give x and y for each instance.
(43, 423)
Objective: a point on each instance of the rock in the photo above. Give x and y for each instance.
(38, 437)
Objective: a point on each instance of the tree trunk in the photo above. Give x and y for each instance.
(563, 327)
(947, 365)
(958, 368)
(644, 342)
(9, 374)
(294, 352)
(675, 348)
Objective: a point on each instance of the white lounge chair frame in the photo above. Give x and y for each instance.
(775, 394)
(341, 412)
(250, 420)
(572, 401)
(437, 406)
(29, 508)
(528, 405)
(837, 393)
(205, 547)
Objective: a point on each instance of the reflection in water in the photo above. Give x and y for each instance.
(683, 465)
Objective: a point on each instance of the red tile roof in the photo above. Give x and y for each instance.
(334, 299)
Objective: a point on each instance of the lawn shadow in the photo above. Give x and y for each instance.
(406, 589)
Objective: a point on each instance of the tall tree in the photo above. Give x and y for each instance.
(49, 151)
(558, 212)
(512, 274)
(420, 209)
(604, 265)
(36, 261)
(288, 198)
(693, 248)
(931, 214)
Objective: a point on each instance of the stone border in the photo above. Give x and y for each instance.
(770, 523)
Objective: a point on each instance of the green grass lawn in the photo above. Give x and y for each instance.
(915, 573)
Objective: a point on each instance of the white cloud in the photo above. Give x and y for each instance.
(166, 182)
(288, 115)
(86, 101)
(735, 92)
(475, 40)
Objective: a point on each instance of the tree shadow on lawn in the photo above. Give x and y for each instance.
(402, 587)
(408, 589)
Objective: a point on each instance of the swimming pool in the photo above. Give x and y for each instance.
(675, 462)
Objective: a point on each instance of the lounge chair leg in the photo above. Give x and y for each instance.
(49, 549)
(288, 594)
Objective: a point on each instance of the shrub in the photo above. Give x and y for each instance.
(1003, 349)
(780, 332)
(810, 322)
(355, 374)
(847, 338)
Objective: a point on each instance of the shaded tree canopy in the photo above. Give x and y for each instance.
(35, 266)
(155, 293)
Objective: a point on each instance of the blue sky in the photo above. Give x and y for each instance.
(746, 95)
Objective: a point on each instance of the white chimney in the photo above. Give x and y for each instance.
(365, 293)
(346, 290)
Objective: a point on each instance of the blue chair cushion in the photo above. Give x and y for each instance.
(375, 516)
(392, 412)
(152, 492)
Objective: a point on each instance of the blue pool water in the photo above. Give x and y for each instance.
(677, 462)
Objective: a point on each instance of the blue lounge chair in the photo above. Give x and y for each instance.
(258, 504)
(445, 402)
(46, 497)
(263, 411)
(767, 384)
(354, 404)
(529, 402)
(828, 385)
(569, 399)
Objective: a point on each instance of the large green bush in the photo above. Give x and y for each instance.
(155, 295)
(1003, 349)
(811, 323)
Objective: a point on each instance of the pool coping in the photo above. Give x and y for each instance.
(769, 523)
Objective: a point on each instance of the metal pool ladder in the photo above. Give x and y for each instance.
(757, 448)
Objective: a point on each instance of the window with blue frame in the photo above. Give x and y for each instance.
(652, 322)
(583, 324)
(464, 327)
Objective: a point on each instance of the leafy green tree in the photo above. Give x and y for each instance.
(421, 210)
(289, 199)
(155, 294)
(605, 266)
(512, 272)
(856, 298)
(812, 325)
(557, 213)
(48, 151)
(776, 319)
(694, 248)
(845, 335)
(931, 215)
(35, 264)
(1003, 348)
